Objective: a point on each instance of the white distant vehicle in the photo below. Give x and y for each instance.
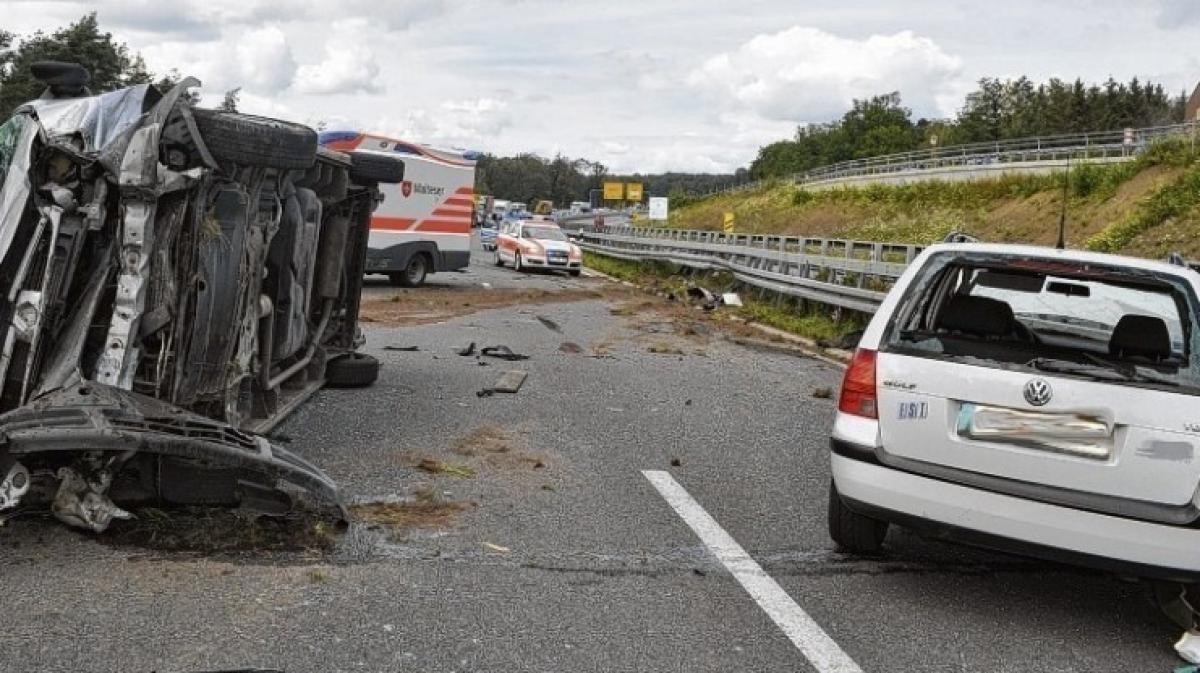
(578, 207)
(424, 223)
(1041, 401)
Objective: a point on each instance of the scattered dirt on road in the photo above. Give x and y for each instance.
(221, 530)
(483, 440)
(426, 510)
(435, 466)
(429, 305)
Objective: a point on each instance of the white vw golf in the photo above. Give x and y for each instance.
(1040, 401)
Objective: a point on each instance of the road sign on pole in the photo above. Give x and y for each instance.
(633, 192)
(658, 208)
(614, 191)
(727, 224)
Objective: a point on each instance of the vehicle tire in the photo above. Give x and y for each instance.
(517, 262)
(414, 274)
(852, 531)
(370, 168)
(575, 272)
(351, 371)
(256, 141)
(499, 262)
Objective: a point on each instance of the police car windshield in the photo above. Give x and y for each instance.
(544, 233)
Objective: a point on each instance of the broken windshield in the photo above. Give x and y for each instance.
(10, 132)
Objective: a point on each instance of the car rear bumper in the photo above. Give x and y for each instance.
(983, 518)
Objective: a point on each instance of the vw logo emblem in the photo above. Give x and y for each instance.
(1037, 392)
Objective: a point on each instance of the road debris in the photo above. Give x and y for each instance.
(570, 347)
(483, 440)
(675, 462)
(731, 299)
(408, 349)
(486, 392)
(502, 352)
(822, 392)
(664, 349)
(510, 381)
(466, 351)
(426, 510)
(496, 548)
(550, 324)
(435, 466)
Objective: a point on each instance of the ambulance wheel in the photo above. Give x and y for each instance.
(499, 262)
(351, 371)
(414, 274)
(517, 262)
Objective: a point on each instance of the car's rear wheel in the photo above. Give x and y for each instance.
(852, 531)
(575, 272)
(256, 141)
(413, 274)
(351, 371)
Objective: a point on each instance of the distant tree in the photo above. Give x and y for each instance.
(170, 80)
(110, 63)
(230, 102)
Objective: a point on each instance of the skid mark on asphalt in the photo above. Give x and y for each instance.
(817, 647)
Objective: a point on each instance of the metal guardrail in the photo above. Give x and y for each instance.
(1108, 145)
(854, 275)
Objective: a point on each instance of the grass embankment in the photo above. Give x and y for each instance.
(1149, 206)
(778, 311)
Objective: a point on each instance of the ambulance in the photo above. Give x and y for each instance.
(424, 223)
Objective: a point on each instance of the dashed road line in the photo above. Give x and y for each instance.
(817, 647)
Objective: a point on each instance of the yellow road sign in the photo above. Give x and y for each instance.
(633, 191)
(614, 191)
(728, 222)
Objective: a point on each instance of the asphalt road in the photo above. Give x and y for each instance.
(565, 557)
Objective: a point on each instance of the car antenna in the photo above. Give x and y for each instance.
(1062, 217)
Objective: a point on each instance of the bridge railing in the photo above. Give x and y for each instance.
(1108, 145)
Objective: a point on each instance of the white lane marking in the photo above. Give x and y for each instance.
(816, 645)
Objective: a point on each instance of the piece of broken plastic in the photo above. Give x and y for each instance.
(84, 502)
(502, 352)
(1188, 646)
(731, 299)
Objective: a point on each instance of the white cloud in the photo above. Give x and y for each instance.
(263, 59)
(1174, 14)
(349, 65)
(805, 74)
(469, 123)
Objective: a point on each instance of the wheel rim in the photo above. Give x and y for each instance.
(517, 263)
(416, 269)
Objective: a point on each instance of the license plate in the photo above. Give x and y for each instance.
(1075, 434)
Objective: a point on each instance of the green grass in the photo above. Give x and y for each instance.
(1173, 200)
(812, 324)
(783, 314)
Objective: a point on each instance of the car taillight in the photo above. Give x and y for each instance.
(858, 386)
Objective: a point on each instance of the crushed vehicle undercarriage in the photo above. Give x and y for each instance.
(173, 280)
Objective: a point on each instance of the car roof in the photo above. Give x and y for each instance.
(1068, 254)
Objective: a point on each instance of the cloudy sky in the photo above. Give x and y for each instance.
(649, 85)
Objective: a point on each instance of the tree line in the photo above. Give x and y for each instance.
(996, 110)
(529, 177)
(112, 65)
